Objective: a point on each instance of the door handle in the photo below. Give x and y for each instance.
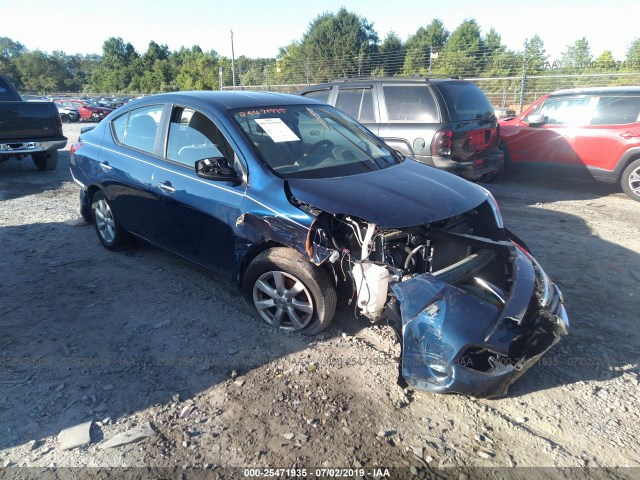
(105, 166)
(629, 134)
(166, 187)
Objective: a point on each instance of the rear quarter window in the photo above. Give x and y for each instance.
(410, 103)
(465, 101)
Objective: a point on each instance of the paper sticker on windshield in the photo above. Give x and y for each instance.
(277, 129)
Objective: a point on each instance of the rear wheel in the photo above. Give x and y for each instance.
(64, 117)
(284, 290)
(45, 160)
(630, 180)
(95, 117)
(109, 230)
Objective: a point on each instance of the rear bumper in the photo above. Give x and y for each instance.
(25, 147)
(471, 170)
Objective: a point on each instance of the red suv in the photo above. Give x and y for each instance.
(89, 112)
(592, 129)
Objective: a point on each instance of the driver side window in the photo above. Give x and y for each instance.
(193, 137)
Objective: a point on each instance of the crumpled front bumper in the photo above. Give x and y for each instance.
(452, 341)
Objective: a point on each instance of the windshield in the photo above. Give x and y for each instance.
(313, 142)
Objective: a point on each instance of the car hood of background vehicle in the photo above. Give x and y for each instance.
(404, 195)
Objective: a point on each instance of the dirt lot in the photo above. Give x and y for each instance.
(122, 339)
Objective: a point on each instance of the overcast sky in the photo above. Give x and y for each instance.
(261, 27)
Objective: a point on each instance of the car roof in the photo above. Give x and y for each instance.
(598, 91)
(397, 79)
(230, 100)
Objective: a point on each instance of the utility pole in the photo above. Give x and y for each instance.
(220, 76)
(523, 84)
(233, 60)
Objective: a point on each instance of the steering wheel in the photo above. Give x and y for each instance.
(323, 146)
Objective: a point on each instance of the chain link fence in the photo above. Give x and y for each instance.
(509, 79)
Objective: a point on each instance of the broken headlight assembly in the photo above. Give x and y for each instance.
(473, 310)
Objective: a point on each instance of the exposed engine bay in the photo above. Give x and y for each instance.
(471, 308)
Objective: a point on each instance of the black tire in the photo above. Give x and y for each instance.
(45, 160)
(630, 180)
(64, 118)
(283, 289)
(95, 117)
(507, 168)
(110, 232)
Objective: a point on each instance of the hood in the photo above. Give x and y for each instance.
(404, 195)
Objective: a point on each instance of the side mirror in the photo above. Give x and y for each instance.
(536, 120)
(215, 168)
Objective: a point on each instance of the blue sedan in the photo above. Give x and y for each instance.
(299, 205)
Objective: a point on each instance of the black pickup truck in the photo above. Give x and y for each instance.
(29, 128)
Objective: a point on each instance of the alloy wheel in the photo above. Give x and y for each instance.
(634, 181)
(283, 301)
(105, 223)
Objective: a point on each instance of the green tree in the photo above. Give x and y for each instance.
(633, 54)
(462, 53)
(578, 56)
(194, 69)
(338, 44)
(605, 61)
(40, 72)
(9, 51)
(151, 72)
(422, 44)
(391, 58)
(537, 58)
(116, 69)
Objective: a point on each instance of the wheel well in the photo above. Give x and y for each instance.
(256, 250)
(626, 162)
(86, 210)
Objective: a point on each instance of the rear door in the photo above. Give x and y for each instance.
(613, 129)
(126, 168)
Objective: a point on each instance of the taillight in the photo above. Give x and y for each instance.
(441, 144)
(74, 148)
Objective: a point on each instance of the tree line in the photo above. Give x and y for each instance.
(334, 45)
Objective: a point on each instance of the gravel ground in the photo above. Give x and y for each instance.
(142, 342)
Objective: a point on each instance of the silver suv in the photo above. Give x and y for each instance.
(446, 123)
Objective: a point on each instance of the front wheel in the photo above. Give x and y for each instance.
(45, 160)
(284, 290)
(630, 180)
(109, 230)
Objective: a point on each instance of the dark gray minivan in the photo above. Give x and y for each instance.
(449, 124)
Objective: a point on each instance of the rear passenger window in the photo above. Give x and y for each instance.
(320, 95)
(356, 102)
(138, 128)
(407, 103)
(617, 111)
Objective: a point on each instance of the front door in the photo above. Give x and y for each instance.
(196, 217)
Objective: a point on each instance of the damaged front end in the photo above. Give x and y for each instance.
(472, 308)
